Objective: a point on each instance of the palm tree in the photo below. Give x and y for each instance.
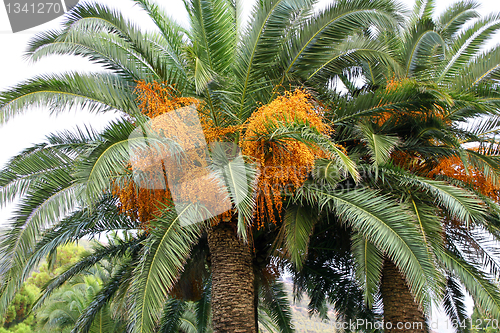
(65, 306)
(452, 213)
(429, 108)
(70, 186)
(448, 52)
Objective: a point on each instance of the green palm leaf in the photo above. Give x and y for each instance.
(485, 294)
(467, 44)
(118, 250)
(165, 253)
(461, 204)
(172, 313)
(369, 262)
(298, 224)
(96, 93)
(385, 224)
(275, 300)
(96, 316)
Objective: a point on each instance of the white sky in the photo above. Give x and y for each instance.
(36, 124)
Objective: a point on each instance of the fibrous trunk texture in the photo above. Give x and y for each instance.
(232, 281)
(401, 312)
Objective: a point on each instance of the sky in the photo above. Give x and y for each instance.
(23, 131)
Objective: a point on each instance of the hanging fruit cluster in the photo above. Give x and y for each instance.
(453, 167)
(284, 163)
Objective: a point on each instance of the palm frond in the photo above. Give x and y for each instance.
(170, 29)
(348, 54)
(426, 48)
(213, 33)
(298, 224)
(410, 95)
(460, 203)
(266, 29)
(118, 250)
(302, 131)
(24, 170)
(369, 262)
(482, 68)
(453, 18)
(275, 299)
(328, 274)
(49, 200)
(202, 308)
(165, 253)
(239, 178)
(334, 25)
(385, 224)
(92, 315)
(454, 302)
(95, 93)
(467, 44)
(486, 295)
(108, 160)
(379, 146)
(105, 217)
(423, 9)
(171, 317)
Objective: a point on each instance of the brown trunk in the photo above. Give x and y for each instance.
(232, 281)
(401, 312)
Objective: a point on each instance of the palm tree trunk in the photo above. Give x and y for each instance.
(232, 281)
(401, 312)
